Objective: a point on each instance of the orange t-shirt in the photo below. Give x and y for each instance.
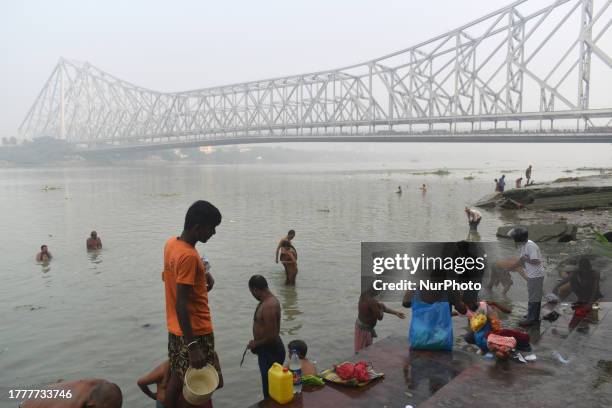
(182, 264)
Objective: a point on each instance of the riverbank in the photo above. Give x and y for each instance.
(564, 194)
(572, 368)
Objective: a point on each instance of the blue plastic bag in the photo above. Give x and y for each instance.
(480, 337)
(431, 327)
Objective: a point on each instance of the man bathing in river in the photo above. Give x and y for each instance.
(288, 238)
(288, 257)
(89, 393)
(44, 255)
(370, 311)
(93, 242)
(266, 342)
(187, 282)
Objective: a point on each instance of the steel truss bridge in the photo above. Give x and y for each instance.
(533, 71)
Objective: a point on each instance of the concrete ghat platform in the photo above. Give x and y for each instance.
(464, 379)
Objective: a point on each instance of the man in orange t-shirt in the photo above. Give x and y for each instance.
(187, 282)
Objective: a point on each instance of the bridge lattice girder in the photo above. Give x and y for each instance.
(501, 65)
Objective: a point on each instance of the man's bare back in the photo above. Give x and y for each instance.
(94, 392)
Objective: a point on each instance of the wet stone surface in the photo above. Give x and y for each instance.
(573, 368)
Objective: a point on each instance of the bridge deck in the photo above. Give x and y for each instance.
(381, 138)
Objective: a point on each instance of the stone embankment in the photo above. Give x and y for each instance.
(575, 194)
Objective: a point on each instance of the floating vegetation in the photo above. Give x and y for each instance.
(509, 171)
(469, 178)
(440, 172)
(566, 179)
(323, 209)
(568, 171)
(29, 308)
(601, 169)
(50, 188)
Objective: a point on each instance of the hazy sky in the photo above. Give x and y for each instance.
(182, 45)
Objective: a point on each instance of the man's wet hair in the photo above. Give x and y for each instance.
(107, 395)
(258, 282)
(202, 213)
(291, 232)
(42, 246)
(299, 346)
(519, 234)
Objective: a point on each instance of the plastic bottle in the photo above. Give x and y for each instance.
(296, 370)
(206, 263)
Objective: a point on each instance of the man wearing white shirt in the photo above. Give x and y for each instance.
(473, 217)
(530, 259)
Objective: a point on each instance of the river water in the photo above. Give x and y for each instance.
(102, 315)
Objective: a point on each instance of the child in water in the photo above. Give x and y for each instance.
(301, 348)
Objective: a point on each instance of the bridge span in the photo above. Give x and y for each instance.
(533, 71)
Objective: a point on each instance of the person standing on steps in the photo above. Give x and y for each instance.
(266, 343)
(187, 282)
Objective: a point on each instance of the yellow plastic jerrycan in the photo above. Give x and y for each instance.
(280, 384)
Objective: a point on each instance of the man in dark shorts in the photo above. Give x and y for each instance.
(266, 342)
(190, 333)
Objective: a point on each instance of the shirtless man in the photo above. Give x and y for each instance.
(44, 255)
(289, 237)
(89, 393)
(370, 311)
(288, 257)
(518, 182)
(94, 242)
(266, 342)
(159, 376)
(528, 175)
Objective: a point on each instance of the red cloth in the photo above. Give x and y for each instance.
(582, 310)
(495, 341)
(521, 337)
(363, 338)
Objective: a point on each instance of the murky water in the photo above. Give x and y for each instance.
(102, 314)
